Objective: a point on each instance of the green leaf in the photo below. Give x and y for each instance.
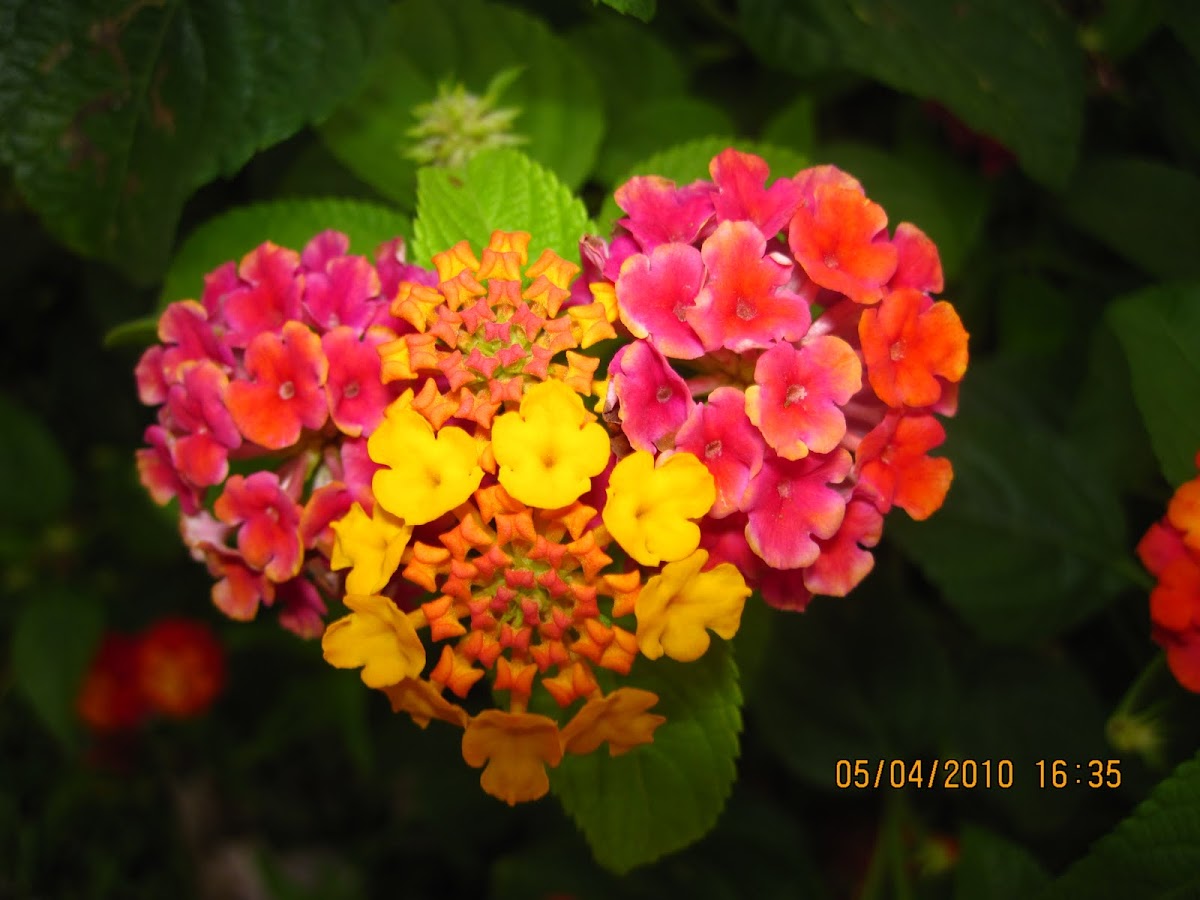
(1010, 69)
(933, 193)
(640, 129)
(1152, 855)
(427, 43)
(628, 62)
(991, 867)
(1142, 210)
(115, 113)
(689, 161)
(794, 126)
(641, 9)
(500, 189)
(818, 701)
(661, 796)
(1031, 538)
(37, 481)
(55, 637)
(1160, 331)
(289, 223)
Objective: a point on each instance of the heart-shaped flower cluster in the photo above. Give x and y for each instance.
(781, 336)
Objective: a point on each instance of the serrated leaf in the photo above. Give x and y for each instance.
(500, 189)
(1010, 69)
(661, 796)
(1142, 210)
(426, 43)
(55, 636)
(1152, 855)
(640, 9)
(1160, 331)
(114, 113)
(686, 162)
(1030, 540)
(288, 223)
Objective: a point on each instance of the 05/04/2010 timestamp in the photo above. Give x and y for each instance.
(969, 774)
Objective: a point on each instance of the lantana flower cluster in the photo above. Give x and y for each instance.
(510, 528)
(785, 339)
(1170, 549)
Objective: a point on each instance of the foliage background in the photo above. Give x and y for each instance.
(1012, 625)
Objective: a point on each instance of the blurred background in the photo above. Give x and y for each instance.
(1049, 149)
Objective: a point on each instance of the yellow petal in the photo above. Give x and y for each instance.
(515, 748)
(372, 546)
(550, 449)
(424, 702)
(677, 607)
(377, 637)
(650, 505)
(620, 718)
(425, 475)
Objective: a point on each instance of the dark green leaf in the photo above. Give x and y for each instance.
(1031, 540)
(1142, 210)
(793, 127)
(427, 43)
(1152, 855)
(861, 677)
(37, 483)
(641, 9)
(639, 130)
(115, 113)
(288, 223)
(499, 189)
(628, 62)
(1010, 69)
(661, 796)
(55, 636)
(991, 867)
(1160, 331)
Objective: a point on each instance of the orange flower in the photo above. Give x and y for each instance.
(514, 749)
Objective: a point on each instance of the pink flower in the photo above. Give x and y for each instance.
(791, 503)
(269, 536)
(720, 435)
(269, 297)
(660, 213)
(344, 293)
(159, 474)
(652, 400)
(356, 392)
(844, 560)
(798, 393)
(745, 304)
(739, 178)
(918, 265)
(655, 293)
(284, 392)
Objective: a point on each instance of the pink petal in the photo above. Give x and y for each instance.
(653, 401)
(791, 503)
(654, 294)
(720, 435)
(740, 178)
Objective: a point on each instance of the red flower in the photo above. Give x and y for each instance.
(180, 667)
(110, 698)
(910, 344)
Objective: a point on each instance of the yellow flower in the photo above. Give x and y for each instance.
(619, 718)
(550, 449)
(516, 748)
(372, 546)
(376, 636)
(424, 702)
(649, 505)
(426, 475)
(677, 606)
